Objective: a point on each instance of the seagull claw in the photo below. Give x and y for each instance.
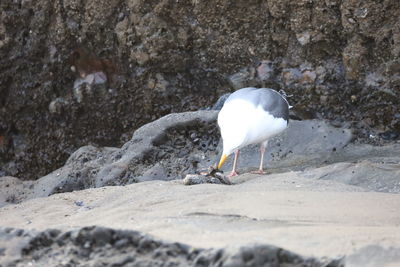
(233, 173)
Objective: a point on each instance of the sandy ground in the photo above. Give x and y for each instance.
(311, 217)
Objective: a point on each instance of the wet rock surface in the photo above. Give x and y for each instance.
(107, 247)
(339, 60)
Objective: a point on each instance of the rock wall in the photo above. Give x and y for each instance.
(339, 60)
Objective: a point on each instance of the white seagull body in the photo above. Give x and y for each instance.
(250, 116)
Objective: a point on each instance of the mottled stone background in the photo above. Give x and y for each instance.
(339, 60)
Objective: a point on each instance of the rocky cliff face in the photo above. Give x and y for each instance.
(339, 60)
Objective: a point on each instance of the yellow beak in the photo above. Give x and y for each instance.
(222, 160)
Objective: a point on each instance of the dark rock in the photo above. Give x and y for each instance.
(173, 57)
(151, 154)
(150, 252)
(102, 236)
(79, 203)
(218, 105)
(389, 135)
(157, 172)
(121, 243)
(147, 244)
(244, 78)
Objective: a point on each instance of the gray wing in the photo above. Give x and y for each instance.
(269, 99)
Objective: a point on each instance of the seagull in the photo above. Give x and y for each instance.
(251, 116)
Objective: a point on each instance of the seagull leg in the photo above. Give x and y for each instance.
(234, 173)
(262, 152)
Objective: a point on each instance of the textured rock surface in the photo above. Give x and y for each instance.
(98, 246)
(170, 148)
(166, 149)
(188, 143)
(339, 59)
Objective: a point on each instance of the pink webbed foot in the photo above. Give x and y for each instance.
(232, 174)
(258, 172)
